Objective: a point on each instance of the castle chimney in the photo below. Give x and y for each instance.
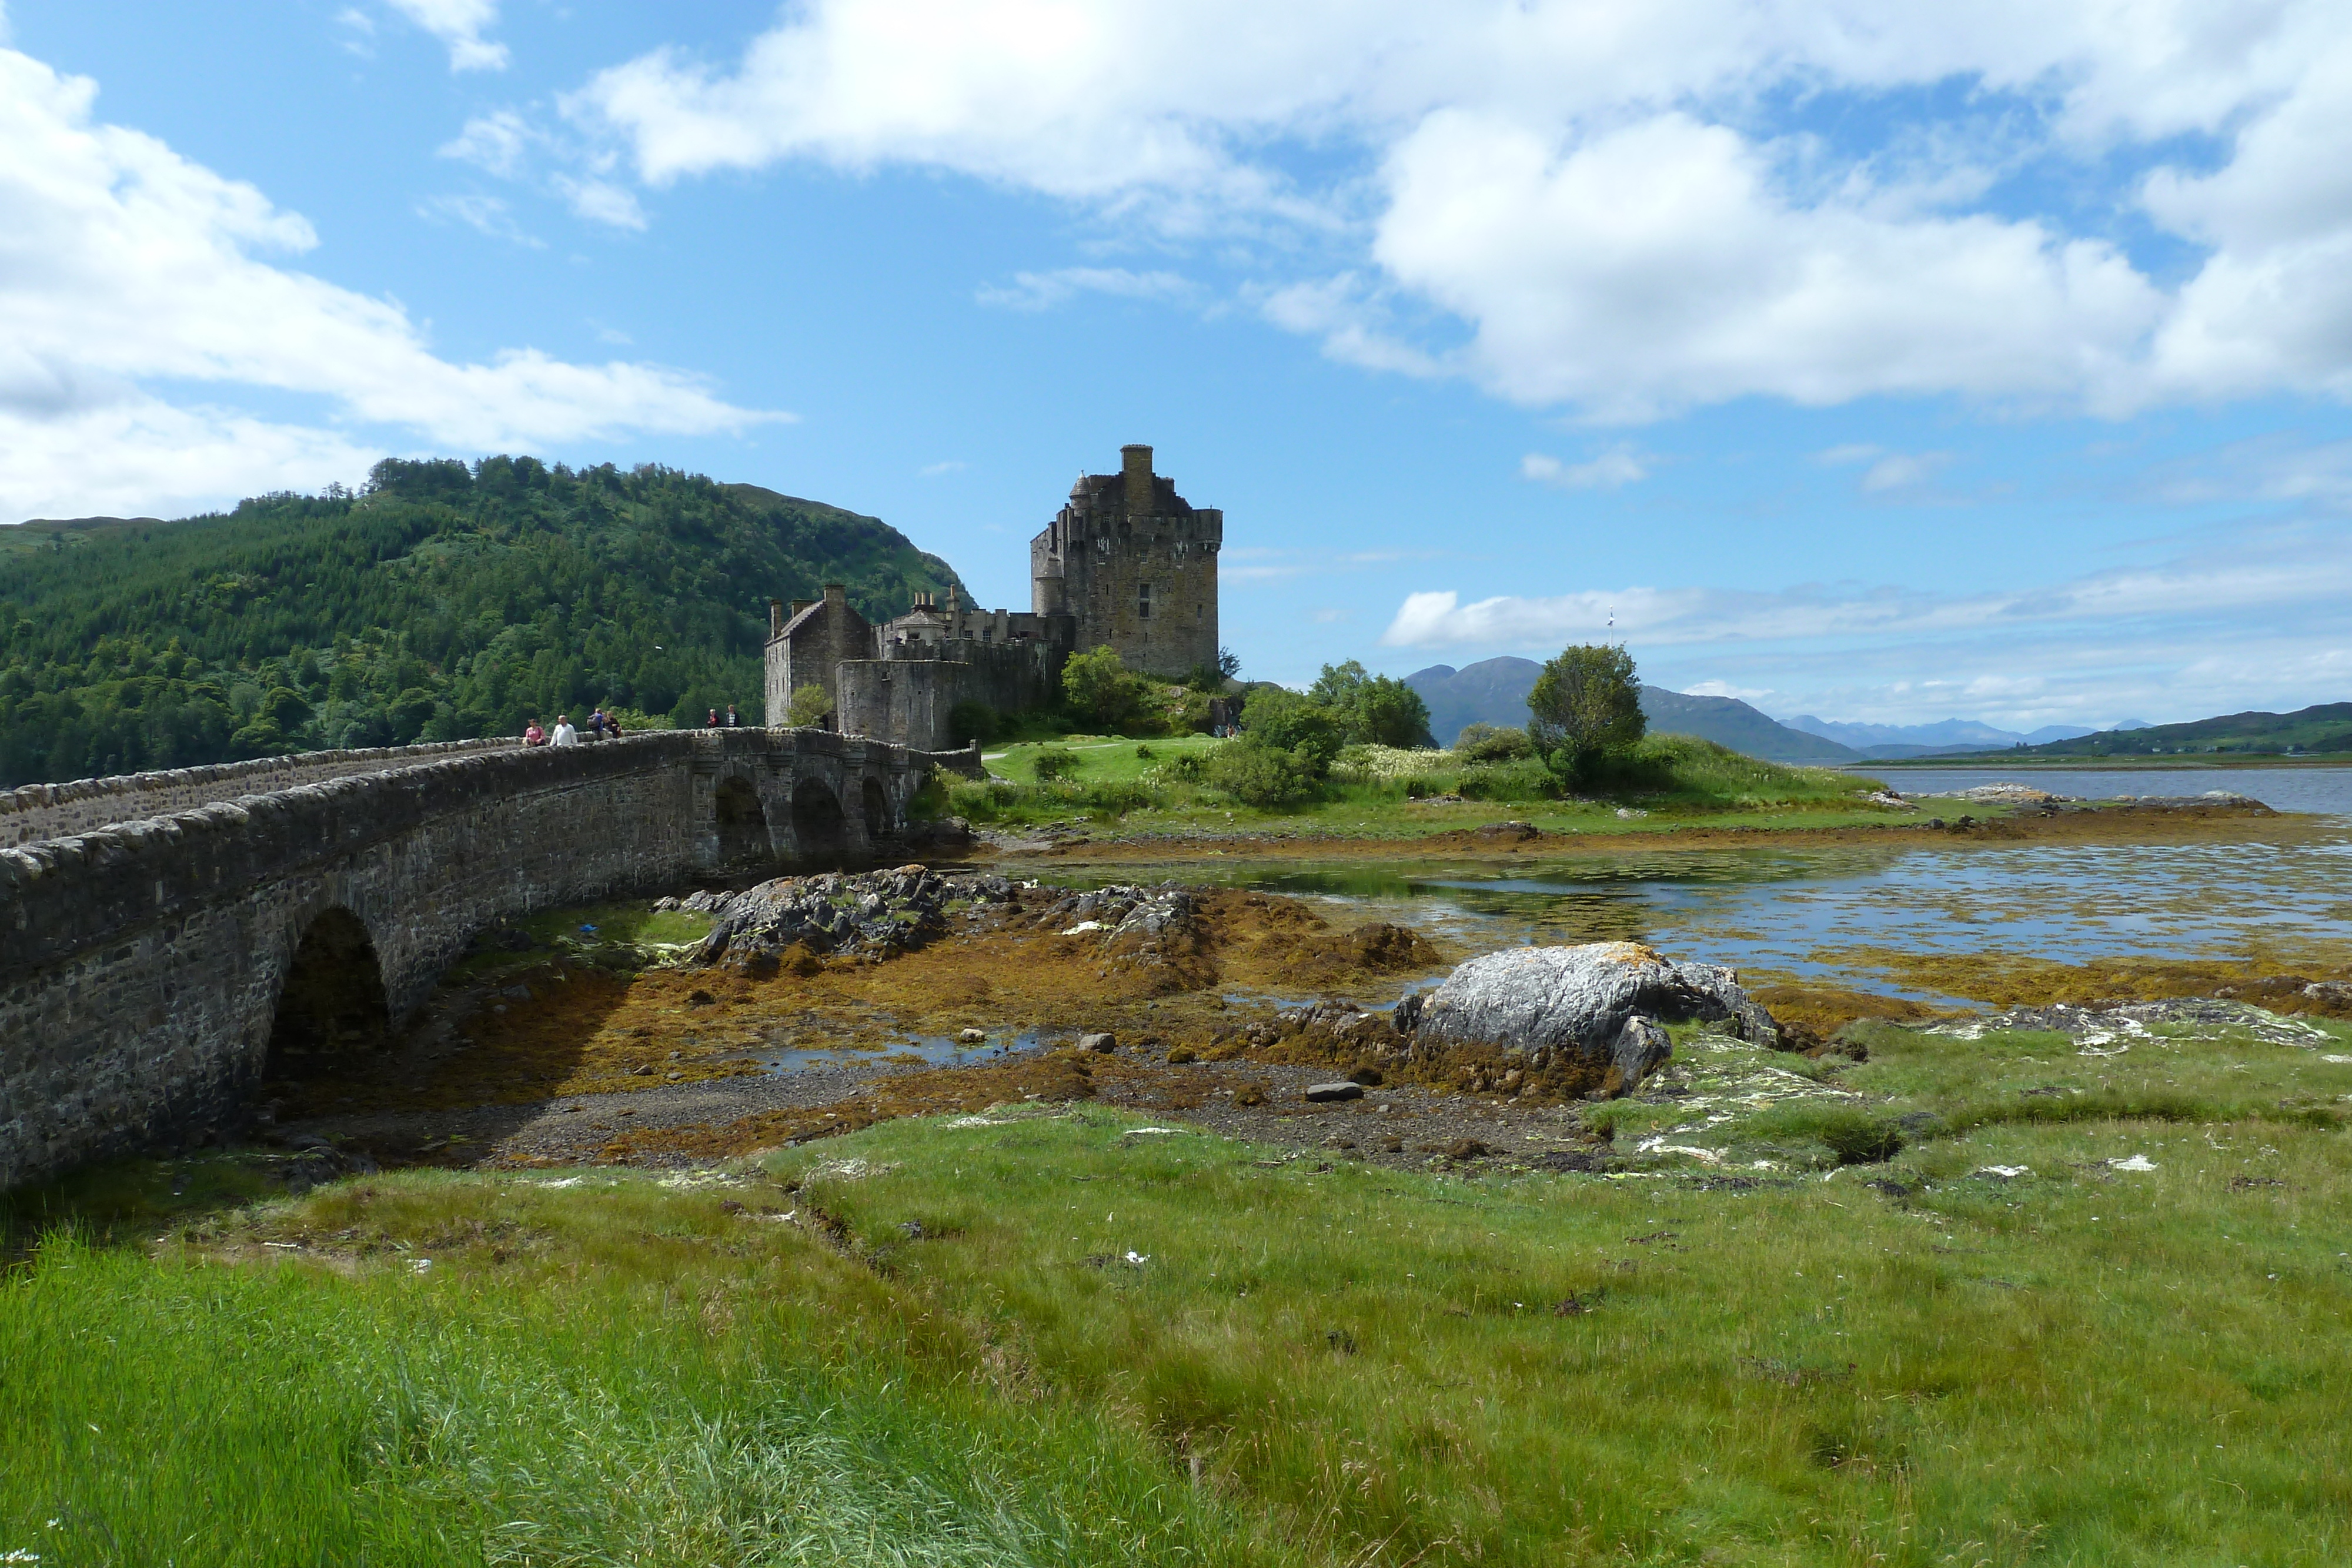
(837, 595)
(1135, 467)
(776, 619)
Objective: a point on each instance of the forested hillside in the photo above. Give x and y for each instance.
(2327, 728)
(442, 601)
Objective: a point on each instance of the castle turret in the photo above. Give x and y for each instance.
(1134, 565)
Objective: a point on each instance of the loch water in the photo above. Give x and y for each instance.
(1841, 913)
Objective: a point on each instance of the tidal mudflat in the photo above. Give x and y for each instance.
(2020, 1242)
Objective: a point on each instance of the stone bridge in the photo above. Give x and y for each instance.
(162, 934)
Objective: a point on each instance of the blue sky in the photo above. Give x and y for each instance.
(1882, 367)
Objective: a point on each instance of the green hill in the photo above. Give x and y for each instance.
(2326, 727)
(443, 601)
(1495, 691)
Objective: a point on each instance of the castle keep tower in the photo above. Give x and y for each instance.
(1134, 565)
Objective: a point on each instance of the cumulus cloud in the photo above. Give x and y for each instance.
(484, 215)
(1619, 466)
(1606, 206)
(459, 24)
(125, 264)
(2277, 574)
(1043, 290)
(2250, 619)
(499, 141)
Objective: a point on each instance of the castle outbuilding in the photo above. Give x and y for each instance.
(1127, 564)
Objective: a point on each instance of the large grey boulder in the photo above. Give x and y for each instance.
(1598, 1008)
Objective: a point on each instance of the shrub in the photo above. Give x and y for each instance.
(1586, 706)
(1100, 690)
(1053, 762)
(1527, 780)
(1377, 710)
(808, 706)
(1493, 743)
(1287, 721)
(980, 799)
(971, 721)
(1259, 774)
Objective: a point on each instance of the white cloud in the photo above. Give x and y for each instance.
(486, 215)
(359, 32)
(1903, 470)
(2252, 618)
(600, 200)
(1613, 469)
(2277, 572)
(460, 24)
(499, 141)
(939, 470)
(1725, 689)
(123, 263)
(1043, 290)
(1610, 199)
(139, 456)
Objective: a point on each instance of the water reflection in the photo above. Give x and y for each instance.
(1833, 911)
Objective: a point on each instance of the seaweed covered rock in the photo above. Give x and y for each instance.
(1157, 932)
(1597, 1009)
(873, 914)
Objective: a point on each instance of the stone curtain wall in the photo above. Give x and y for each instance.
(141, 965)
(38, 812)
(911, 699)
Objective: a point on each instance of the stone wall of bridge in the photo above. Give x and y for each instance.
(144, 966)
(36, 811)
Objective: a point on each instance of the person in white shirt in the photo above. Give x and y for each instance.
(564, 734)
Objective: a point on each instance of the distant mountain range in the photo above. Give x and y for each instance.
(1951, 734)
(1495, 691)
(2324, 727)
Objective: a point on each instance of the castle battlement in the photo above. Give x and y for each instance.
(1126, 563)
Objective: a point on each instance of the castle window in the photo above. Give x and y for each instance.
(1143, 602)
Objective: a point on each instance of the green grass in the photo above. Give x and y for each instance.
(950, 1356)
(620, 1371)
(1671, 782)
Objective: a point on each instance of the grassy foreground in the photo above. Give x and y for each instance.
(2096, 1309)
(1671, 782)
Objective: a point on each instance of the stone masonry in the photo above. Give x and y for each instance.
(1127, 564)
(143, 963)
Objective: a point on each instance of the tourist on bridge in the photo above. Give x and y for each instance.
(532, 735)
(712, 722)
(732, 722)
(564, 734)
(596, 725)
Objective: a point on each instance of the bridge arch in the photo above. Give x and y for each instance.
(820, 828)
(741, 821)
(876, 801)
(332, 999)
(168, 937)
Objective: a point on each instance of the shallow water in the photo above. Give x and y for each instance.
(934, 1050)
(2321, 789)
(1819, 912)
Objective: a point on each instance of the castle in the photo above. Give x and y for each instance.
(1127, 564)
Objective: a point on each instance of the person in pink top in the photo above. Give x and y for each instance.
(532, 735)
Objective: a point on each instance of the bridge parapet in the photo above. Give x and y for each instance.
(35, 812)
(144, 963)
